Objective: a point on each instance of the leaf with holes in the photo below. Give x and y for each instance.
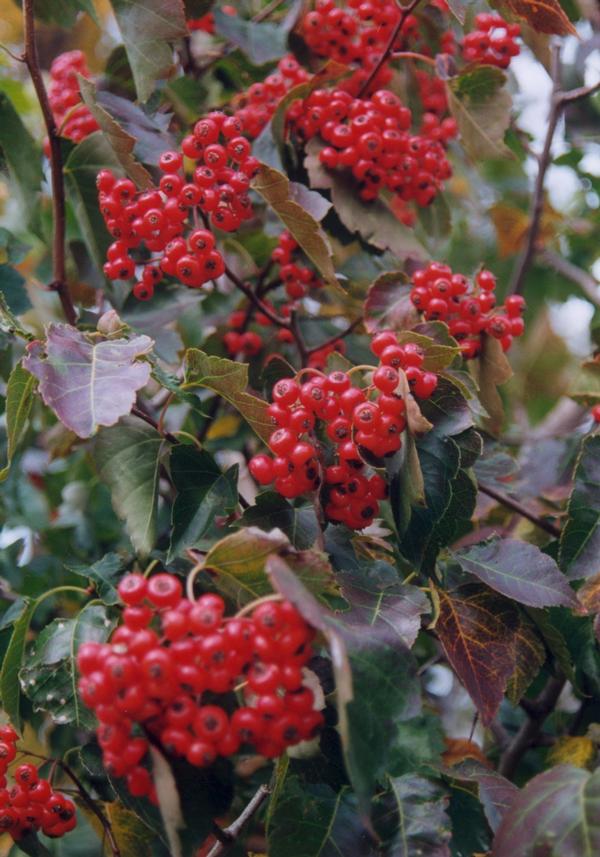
(580, 539)
(230, 380)
(49, 676)
(518, 570)
(120, 141)
(87, 380)
(148, 30)
(481, 105)
(476, 628)
(128, 458)
(555, 815)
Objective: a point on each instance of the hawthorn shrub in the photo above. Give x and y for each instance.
(291, 562)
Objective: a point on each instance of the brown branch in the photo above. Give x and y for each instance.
(30, 57)
(532, 727)
(521, 510)
(142, 415)
(333, 339)
(588, 284)
(558, 102)
(256, 301)
(404, 13)
(92, 806)
(298, 338)
(231, 833)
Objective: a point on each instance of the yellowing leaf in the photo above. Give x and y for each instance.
(229, 380)
(132, 836)
(491, 369)
(225, 426)
(572, 750)
(512, 226)
(300, 209)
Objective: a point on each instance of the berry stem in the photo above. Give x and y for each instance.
(248, 608)
(30, 57)
(254, 299)
(404, 13)
(521, 510)
(411, 55)
(235, 828)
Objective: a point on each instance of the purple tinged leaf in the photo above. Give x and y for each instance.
(496, 793)
(87, 380)
(518, 570)
(555, 815)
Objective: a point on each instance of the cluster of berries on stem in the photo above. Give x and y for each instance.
(492, 42)
(371, 138)
(169, 674)
(324, 427)
(30, 804)
(161, 225)
(256, 106)
(467, 306)
(71, 116)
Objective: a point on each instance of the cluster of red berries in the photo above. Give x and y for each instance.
(356, 421)
(492, 42)
(371, 137)
(468, 307)
(248, 343)
(297, 279)
(160, 677)
(161, 222)
(71, 116)
(258, 103)
(30, 804)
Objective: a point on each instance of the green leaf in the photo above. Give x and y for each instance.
(518, 570)
(128, 458)
(120, 141)
(481, 105)
(104, 574)
(373, 221)
(19, 399)
(375, 679)
(230, 380)
(21, 154)
(260, 42)
(435, 220)
(12, 250)
(237, 565)
(132, 836)
(49, 677)
(311, 820)
(555, 815)
(412, 818)
(12, 286)
(10, 689)
(88, 380)
(495, 792)
(80, 170)
(300, 209)
(29, 844)
(148, 28)
(580, 538)
(203, 491)
(272, 510)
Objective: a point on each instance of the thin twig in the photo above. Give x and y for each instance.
(92, 806)
(254, 299)
(404, 13)
(235, 828)
(30, 57)
(521, 510)
(558, 102)
(411, 55)
(142, 415)
(588, 284)
(341, 335)
(532, 727)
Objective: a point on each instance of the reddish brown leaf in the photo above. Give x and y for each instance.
(477, 628)
(530, 654)
(545, 17)
(459, 749)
